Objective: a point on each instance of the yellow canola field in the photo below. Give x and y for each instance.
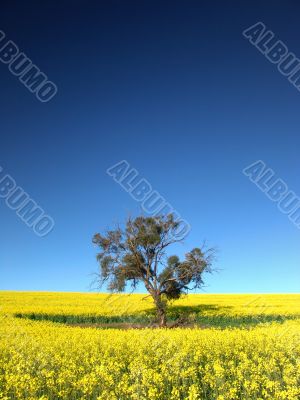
(92, 304)
(49, 360)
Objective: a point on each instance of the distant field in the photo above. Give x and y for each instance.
(249, 349)
(217, 310)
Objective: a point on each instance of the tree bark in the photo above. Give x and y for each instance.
(160, 311)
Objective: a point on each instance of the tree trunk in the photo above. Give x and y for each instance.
(160, 311)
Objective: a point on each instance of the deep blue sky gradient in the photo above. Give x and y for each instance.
(175, 89)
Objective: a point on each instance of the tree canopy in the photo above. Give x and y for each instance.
(138, 253)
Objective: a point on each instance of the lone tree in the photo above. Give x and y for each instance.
(137, 253)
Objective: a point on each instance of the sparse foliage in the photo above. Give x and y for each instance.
(137, 254)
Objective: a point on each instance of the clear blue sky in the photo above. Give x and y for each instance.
(175, 89)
